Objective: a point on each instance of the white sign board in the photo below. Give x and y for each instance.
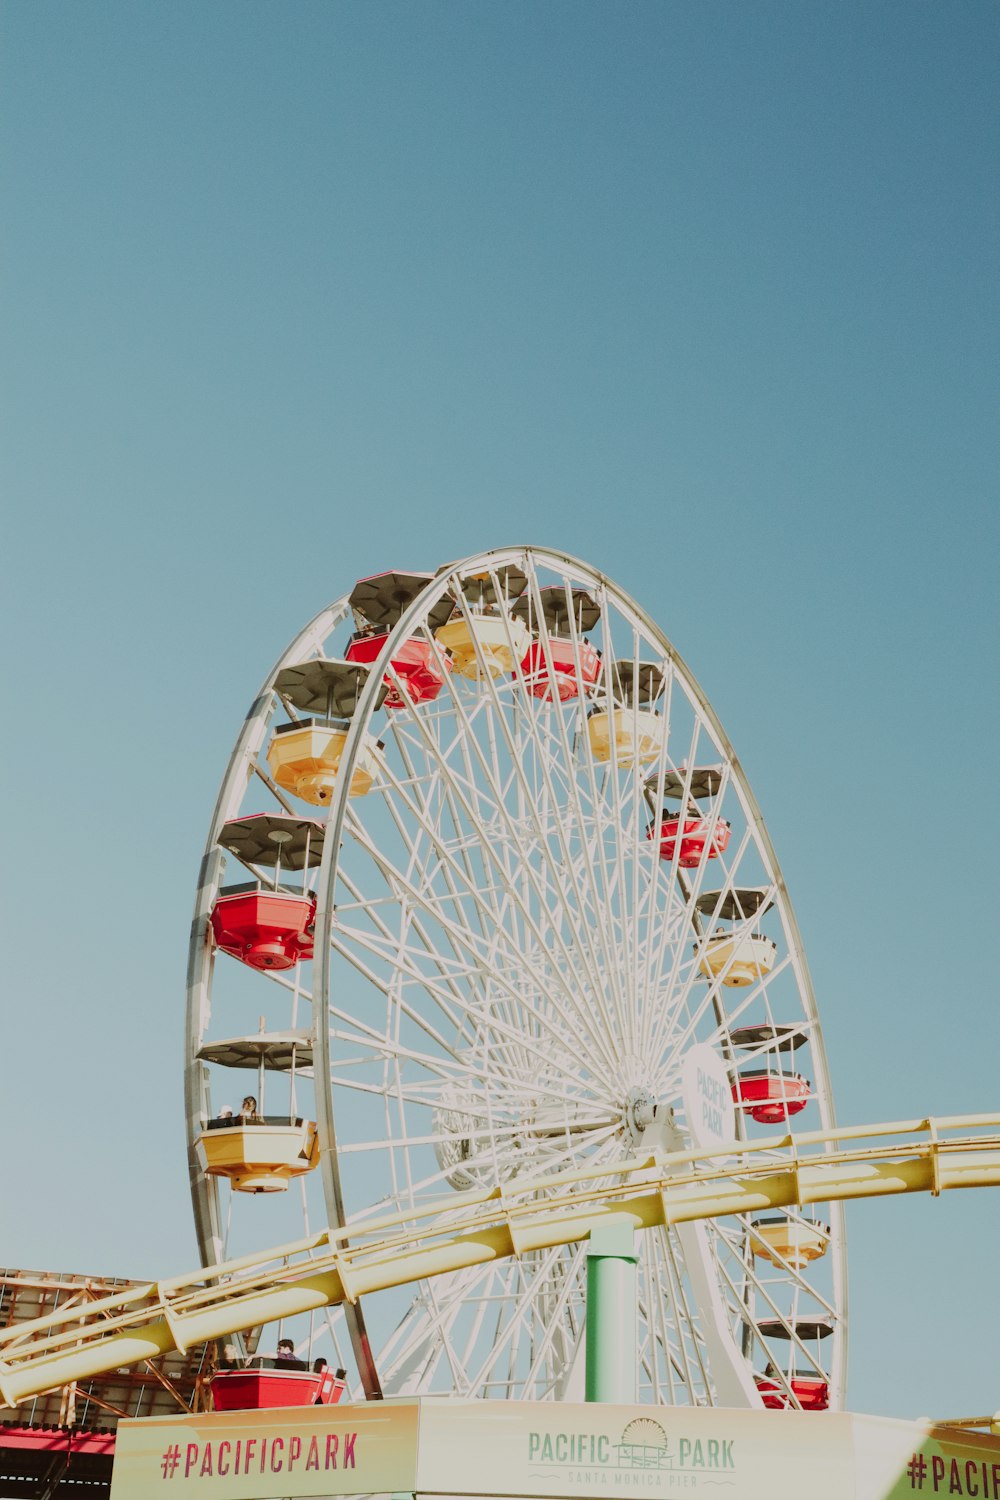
(708, 1098)
(547, 1450)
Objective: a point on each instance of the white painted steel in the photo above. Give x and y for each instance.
(504, 968)
(246, 787)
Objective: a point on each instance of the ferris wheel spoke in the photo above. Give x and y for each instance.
(691, 1322)
(498, 1028)
(581, 938)
(493, 1300)
(658, 1333)
(597, 881)
(498, 1133)
(339, 946)
(617, 878)
(800, 1283)
(774, 1307)
(473, 890)
(458, 879)
(569, 1010)
(358, 1086)
(427, 1094)
(460, 941)
(429, 1323)
(658, 894)
(356, 1032)
(664, 1285)
(566, 1324)
(447, 974)
(442, 1069)
(685, 1341)
(489, 911)
(679, 1026)
(682, 1034)
(560, 1155)
(639, 859)
(421, 1324)
(683, 1029)
(523, 1315)
(664, 885)
(691, 924)
(461, 844)
(447, 980)
(677, 987)
(443, 1349)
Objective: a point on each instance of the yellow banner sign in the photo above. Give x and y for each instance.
(904, 1460)
(253, 1455)
(509, 1450)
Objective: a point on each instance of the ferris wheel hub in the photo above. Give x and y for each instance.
(638, 1113)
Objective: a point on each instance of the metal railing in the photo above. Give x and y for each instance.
(477, 1227)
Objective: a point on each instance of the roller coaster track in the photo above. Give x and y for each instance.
(478, 1227)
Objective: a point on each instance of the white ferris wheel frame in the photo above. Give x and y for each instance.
(243, 766)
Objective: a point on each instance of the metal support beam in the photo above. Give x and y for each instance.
(477, 1228)
(611, 1312)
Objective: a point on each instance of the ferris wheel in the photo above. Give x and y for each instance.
(484, 872)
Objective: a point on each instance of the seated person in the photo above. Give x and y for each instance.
(248, 1113)
(286, 1359)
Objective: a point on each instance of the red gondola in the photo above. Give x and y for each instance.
(267, 1384)
(415, 663)
(263, 928)
(811, 1391)
(566, 657)
(771, 1097)
(696, 840)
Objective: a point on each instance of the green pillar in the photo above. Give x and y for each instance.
(611, 1324)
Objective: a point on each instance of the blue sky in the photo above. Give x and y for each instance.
(705, 294)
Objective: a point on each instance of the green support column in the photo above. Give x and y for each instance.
(611, 1322)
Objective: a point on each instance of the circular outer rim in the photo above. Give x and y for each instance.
(201, 951)
(322, 971)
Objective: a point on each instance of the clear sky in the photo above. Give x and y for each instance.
(705, 293)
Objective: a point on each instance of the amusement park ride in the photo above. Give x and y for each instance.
(489, 913)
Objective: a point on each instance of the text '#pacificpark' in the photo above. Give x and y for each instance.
(259, 1455)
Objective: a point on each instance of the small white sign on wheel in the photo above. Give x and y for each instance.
(708, 1098)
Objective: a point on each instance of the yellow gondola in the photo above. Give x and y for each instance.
(304, 759)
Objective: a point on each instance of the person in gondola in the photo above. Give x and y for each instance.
(286, 1358)
(319, 1368)
(248, 1113)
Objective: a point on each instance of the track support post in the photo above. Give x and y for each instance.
(611, 1312)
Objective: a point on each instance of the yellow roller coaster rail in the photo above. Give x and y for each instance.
(476, 1228)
